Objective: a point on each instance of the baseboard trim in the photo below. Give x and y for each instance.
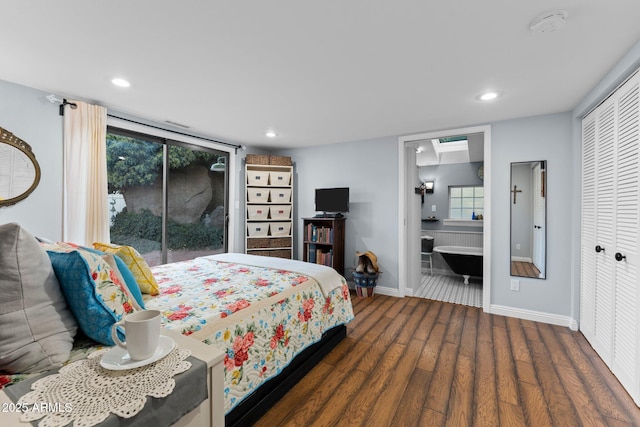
(536, 316)
(390, 292)
(519, 313)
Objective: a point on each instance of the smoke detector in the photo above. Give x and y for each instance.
(549, 21)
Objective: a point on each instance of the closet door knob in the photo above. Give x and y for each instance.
(619, 256)
(599, 249)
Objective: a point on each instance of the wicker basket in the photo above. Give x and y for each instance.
(279, 160)
(258, 242)
(281, 253)
(257, 159)
(280, 242)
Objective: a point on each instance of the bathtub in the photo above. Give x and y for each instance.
(463, 260)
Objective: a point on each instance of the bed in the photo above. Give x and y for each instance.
(260, 312)
(259, 323)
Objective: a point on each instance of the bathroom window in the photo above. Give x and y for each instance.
(465, 201)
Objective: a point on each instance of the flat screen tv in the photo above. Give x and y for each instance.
(332, 200)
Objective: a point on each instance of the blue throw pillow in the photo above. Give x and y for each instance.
(92, 290)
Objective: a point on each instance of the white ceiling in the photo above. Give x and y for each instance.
(315, 72)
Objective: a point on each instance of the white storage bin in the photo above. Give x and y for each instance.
(257, 211)
(281, 195)
(258, 229)
(280, 228)
(281, 212)
(280, 178)
(257, 177)
(259, 195)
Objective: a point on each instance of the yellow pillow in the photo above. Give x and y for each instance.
(136, 264)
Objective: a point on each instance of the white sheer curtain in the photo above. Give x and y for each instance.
(86, 215)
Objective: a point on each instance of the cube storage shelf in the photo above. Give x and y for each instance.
(269, 206)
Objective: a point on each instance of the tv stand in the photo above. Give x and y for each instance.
(329, 215)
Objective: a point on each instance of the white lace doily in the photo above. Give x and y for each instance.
(85, 393)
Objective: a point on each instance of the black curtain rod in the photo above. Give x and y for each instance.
(177, 133)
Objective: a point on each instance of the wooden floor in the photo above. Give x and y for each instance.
(524, 269)
(417, 362)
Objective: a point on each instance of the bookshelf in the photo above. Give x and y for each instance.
(323, 242)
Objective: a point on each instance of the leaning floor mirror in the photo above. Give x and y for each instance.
(529, 219)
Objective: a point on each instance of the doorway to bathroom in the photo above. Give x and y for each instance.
(429, 275)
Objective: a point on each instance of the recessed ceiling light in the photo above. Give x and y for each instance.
(488, 96)
(271, 134)
(120, 82)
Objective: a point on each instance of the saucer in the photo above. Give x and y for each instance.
(118, 359)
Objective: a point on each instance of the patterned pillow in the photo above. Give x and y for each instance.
(117, 264)
(94, 292)
(136, 264)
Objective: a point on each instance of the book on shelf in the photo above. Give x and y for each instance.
(311, 256)
(318, 234)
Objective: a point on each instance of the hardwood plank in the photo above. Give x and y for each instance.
(454, 328)
(415, 317)
(560, 406)
(518, 341)
(555, 349)
(580, 397)
(431, 418)
(438, 394)
(526, 373)
(445, 313)
(499, 321)
(484, 327)
(511, 415)
(362, 404)
(297, 396)
(395, 386)
(396, 308)
(486, 394)
(423, 330)
(460, 412)
(534, 405)
(505, 369)
(412, 400)
(431, 350)
(469, 333)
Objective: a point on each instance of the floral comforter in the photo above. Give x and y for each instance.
(260, 317)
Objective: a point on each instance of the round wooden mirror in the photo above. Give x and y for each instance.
(19, 169)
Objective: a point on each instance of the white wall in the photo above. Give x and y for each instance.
(369, 169)
(26, 113)
(548, 138)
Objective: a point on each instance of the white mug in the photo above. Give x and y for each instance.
(142, 331)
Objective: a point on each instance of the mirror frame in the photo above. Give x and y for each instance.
(10, 139)
(514, 196)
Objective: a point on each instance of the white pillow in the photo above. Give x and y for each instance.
(36, 327)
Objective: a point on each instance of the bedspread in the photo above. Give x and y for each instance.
(260, 317)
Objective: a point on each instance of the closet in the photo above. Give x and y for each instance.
(610, 243)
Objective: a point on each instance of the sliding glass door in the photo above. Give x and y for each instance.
(167, 199)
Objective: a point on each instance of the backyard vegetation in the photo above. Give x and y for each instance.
(134, 169)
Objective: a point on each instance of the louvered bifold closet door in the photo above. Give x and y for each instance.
(626, 303)
(588, 228)
(602, 340)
